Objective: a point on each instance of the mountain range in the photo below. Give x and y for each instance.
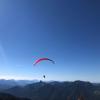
(77, 90)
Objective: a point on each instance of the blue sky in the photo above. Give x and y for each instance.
(67, 31)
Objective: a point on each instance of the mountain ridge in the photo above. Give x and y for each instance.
(57, 91)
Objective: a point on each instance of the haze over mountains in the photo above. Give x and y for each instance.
(5, 84)
(77, 90)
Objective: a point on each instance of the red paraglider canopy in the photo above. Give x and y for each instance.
(42, 59)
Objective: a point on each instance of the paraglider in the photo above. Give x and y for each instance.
(44, 76)
(42, 59)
